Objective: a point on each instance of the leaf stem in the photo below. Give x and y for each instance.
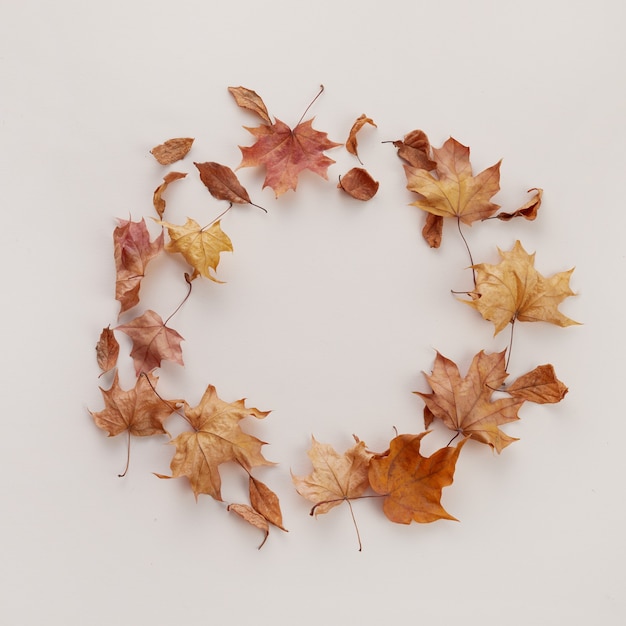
(508, 356)
(188, 281)
(319, 93)
(127, 457)
(469, 252)
(165, 402)
(230, 206)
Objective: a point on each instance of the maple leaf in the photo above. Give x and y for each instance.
(200, 246)
(455, 192)
(107, 350)
(411, 483)
(139, 411)
(285, 153)
(153, 342)
(216, 439)
(172, 150)
(352, 144)
(514, 290)
(464, 405)
(540, 386)
(335, 478)
(358, 183)
(133, 251)
(157, 196)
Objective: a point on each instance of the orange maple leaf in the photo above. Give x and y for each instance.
(455, 192)
(514, 290)
(464, 405)
(412, 483)
(153, 342)
(216, 439)
(133, 251)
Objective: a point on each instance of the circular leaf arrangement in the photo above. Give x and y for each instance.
(474, 405)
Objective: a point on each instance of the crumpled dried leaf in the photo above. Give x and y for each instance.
(157, 198)
(253, 518)
(528, 210)
(411, 483)
(415, 150)
(248, 99)
(540, 386)
(351, 143)
(200, 246)
(107, 350)
(217, 438)
(133, 251)
(172, 150)
(464, 405)
(433, 230)
(358, 183)
(514, 290)
(153, 342)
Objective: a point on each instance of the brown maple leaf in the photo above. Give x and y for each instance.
(540, 386)
(139, 411)
(157, 196)
(153, 342)
(133, 251)
(464, 405)
(455, 192)
(359, 184)
(107, 350)
(335, 478)
(172, 150)
(352, 144)
(217, 438)
(411, 483)
(514, 290)
(200, 246)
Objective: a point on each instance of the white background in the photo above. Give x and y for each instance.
(331, 309)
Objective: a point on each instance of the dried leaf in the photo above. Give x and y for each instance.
(464, 405)
(201, 247)
(253, 518)
(153, 342)
(515, 290)
(107, 350)
(222, 183)
(411, 483)
(455, 192)
(140, 411)
(157, 198)
(133, 251)
(285, 153)
(415, 150)
(248, 99)
(335, 477)
(172, 150)
(351, 143)
(528, 210)
(359, 184)
(540, 386)
(433, 229)
(217, 438)
(265, 502)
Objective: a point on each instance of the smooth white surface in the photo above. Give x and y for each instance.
(331, 309)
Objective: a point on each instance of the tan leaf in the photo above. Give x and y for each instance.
(107, 350)
(265, 502)
(415, 150)
(172, 150)
(200, 246)
(412, 483)
(514, 290)
(433, 229)
(528, 210)
(540, 386)
(359, 184)
(464, 405)
(253, 518)
(351, 143)
(248, 99)
(157, 197)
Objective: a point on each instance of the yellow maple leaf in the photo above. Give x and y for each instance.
(514, 290)
(201, 246)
